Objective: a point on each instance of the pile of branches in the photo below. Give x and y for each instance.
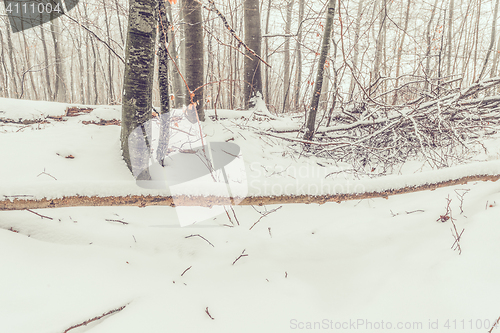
(444, 130)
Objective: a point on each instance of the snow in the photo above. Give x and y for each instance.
(361, 265)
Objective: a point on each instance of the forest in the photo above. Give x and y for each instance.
(249, 166)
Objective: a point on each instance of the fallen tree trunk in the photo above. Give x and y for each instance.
(209, 201)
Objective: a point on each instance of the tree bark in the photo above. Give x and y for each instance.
(400, 50)
(379, 46)
(450, 33)
(286, 63)
(357, 31)
(137, 87)
(298, 77)
(253, 80)
(492, 41)
(210, 201)
(325, 47)
(13, 66)
(194, 55)
(177, 85)
(59, 89)
(164, 27)
(429, 46)
(267, 51)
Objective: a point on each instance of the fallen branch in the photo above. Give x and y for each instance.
(95, 318)
(210, 201)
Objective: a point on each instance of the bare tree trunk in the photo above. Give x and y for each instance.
(3, 70)
(138, 86)
(400, 50)
(194, 55)
(178, 86)
(298, 78)
(164, 27)
(253, 80)
(120, 29)
(59, 89)
(357, 31)
(450, 32)
(110, 60)
(494, 65)
(325, 46)
(267, 52)
(28, 68)
(12, 62)
(96, 89)
(46, 63)
(492, 40)
(429, 46)
(286, 80)
(379, 46)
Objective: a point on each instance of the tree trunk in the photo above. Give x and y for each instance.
(111, 98)
(298, 78)
(59, 89)
(138, 86)
(400, 49)
(492, 40)
(286, 80)
(450, 33)
(267, 51)
(164, 27)
(379, 47)
(194, 55)
(253, 80)
(311, 119)
(13, 66)
(178, 86)
(3, 70)
(429, 47)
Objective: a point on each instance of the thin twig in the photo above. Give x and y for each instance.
(494, 325)
(48, 174)
(241, 255)
(187, 269)
(197, 235)
(95, 318)
(119, 221)
(208, 313)
(264, 215)
(42, 216)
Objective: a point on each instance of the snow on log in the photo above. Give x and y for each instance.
(20, 203)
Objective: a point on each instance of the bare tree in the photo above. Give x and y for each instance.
(286, 63)
(59, 88)
(194, 66)
(357, 31)
(137, 86)
(325, 46)
(450, 40)
(492, 40)
(400, 49)
(253, 79)
(267, 51)
(298, 77)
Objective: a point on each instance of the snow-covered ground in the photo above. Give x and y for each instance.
(373, 265)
